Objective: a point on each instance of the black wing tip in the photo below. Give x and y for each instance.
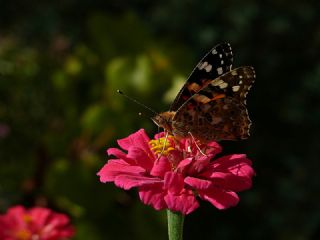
(223, 45)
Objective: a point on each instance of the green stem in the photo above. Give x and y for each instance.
(175, 225)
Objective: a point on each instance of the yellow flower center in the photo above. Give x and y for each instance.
(27, 218)
(162, 145)
(23, 234)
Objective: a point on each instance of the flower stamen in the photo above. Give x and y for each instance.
(162, 145)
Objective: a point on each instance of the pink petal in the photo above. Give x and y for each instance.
(129, 181)
(173, 182)
(12, 219)
(214, 148)
(233, 172)
(153, 196)
(119, 154)
(231, 182)
(184, 165)
(242, 168)
(160, 167)
(184, 203)
(230, 162)
(52, 225)
(138, 139)
(114, 168)
(43, 222)
(220, 198)
(175, 157)
(159, 135)
(127, 142)
(141, 158)
(41, 215)
(198, 184)
(199, 164)
(58, 220)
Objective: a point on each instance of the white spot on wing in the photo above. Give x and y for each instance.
(220, 70)
(208, 68)
(214, 51)
(235, 88)
(217, 82)
(223, 85)
(202, 65)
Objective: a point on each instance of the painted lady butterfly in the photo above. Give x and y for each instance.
(211, 106)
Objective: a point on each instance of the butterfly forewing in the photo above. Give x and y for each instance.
(215, 63)
(235, 84)
(217, 111)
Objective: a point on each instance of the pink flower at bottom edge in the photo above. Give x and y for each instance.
(34, 223)
(174, 176)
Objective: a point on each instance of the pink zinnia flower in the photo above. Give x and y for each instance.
(34, 224)
(175, 175)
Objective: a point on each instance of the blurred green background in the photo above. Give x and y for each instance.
(62, 61)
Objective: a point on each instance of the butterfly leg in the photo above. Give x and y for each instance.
(196, 144)
(164, 145)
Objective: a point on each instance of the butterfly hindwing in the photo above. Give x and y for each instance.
(215, 63)
(217, 111)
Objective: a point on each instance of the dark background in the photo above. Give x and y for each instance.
(62, 61)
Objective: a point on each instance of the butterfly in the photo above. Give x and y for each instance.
(211, 106)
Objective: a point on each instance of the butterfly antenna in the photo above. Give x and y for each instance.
(137, 102)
